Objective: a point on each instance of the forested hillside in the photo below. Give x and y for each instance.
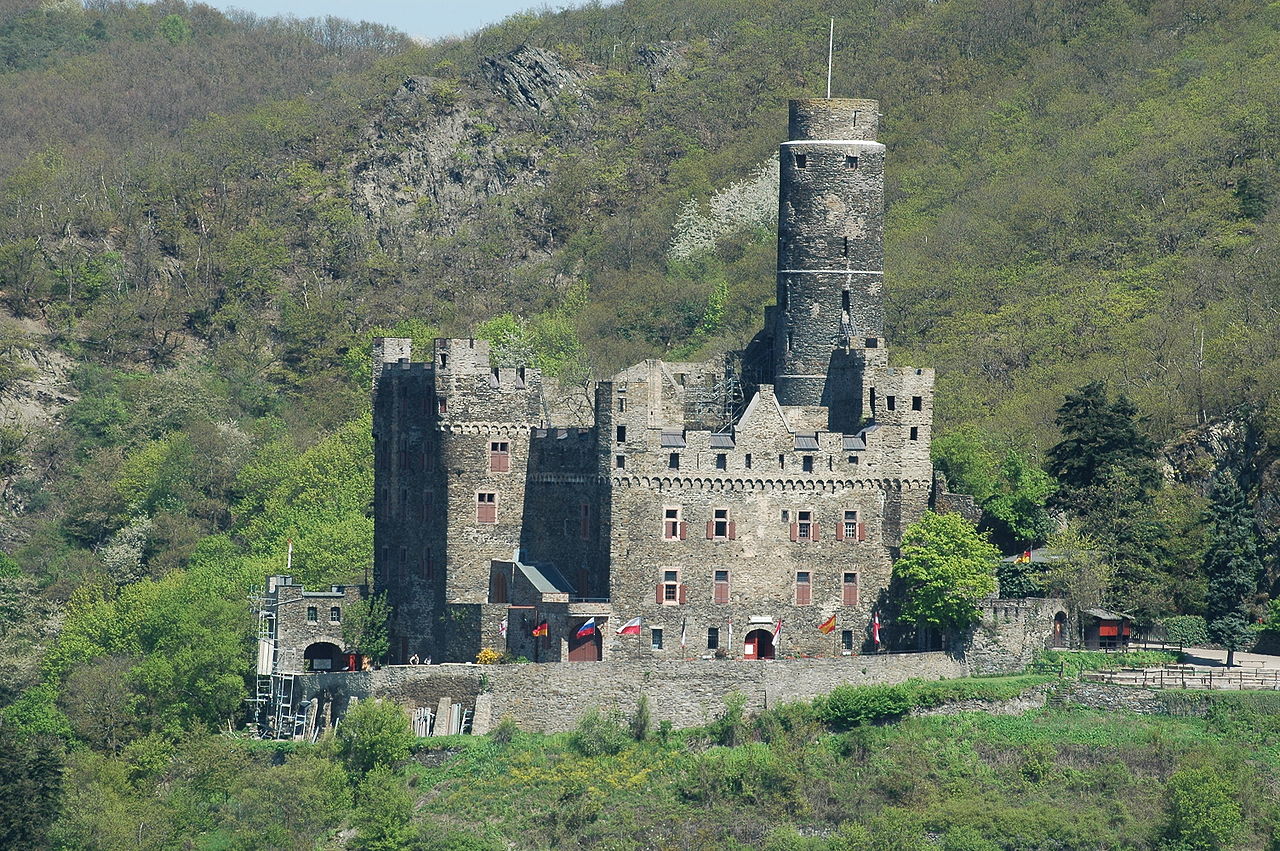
(205, 218)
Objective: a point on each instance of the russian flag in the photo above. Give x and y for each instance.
(587, 628)
(631, 627)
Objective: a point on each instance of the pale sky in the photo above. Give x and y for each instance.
(428, 19)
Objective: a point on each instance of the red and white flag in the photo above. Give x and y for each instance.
(777, 635)
(502, 628)
(631, 627)
(875, 629)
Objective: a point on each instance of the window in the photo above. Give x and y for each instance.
(782, 462)
(845, 251)
(673, 461)
(851, 162)
(915, 433)
(889, 402)
(872, 342)
(499, 457)
(622, 434)
(486, 507)
(442, 405)
(719, 525)
(786, 516)
(722, 461)
(746, 461)
(804, 588)
(853, 459)
(620, 461)
(566, 526)
(806, 463)
(804, 525)
(335, 614)
(655, 638)
(584, 521)
(670, 586)
(622, 404)
(849, 590)
(720, 587)
(313, 616)
(917, 403)
(846, 640)
(713, 638)
(802, 160)
(672, 527)
(852, 528)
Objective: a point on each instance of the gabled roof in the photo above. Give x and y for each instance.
(764, 410)
(1104, 615)
(722, 441)
(807, 441)
(673, 439)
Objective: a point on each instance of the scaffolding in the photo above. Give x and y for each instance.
(274, 694)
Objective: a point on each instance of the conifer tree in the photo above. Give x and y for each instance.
(1232, 566)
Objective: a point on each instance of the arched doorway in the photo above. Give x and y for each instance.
(758, 644)
(323, 656)
(1060, 629)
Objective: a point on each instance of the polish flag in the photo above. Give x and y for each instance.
(631, 627)
(502, 628)
(875, 629)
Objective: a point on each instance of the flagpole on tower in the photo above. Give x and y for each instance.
(831, 40)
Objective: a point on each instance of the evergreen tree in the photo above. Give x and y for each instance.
(1100, 442)
(1232, 566)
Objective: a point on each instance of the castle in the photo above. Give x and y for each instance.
(733, 506)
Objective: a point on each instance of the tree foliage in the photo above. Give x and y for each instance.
(374, 734)
(1232, 565)
(945, 569)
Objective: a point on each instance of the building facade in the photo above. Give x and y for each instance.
(734, 506)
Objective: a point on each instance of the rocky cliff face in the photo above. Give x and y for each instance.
(1239, 445)
(441, 148)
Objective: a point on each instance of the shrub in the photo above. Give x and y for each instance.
(488, 656)
(1187, 630)
(374, 733)
(598, 734)
(851, 706)
(1203, 813)
(640, 719)
(505, 732)
(731, 727)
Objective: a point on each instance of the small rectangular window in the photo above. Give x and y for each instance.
(915, 433)
(804, 522)
(499, 457)
(670, 587)
(442, 405)
(713, 638)
(313, 614)
(786, 516)
(846, 640)
(671, 524)
(917, 403)
(622, 404)
(802, 160)
(872, 342)
(849, 589)
(806, 464)
(853, 459)
(673, 461)
(844, 252)
(655, 638)
(486, 507)
(804, 588)
(890, 402)
(782, 462)
(722, 461)
(746, 461)
(851, 525)
(620, 461)
(720, 587)
(720, 523)
(335, 614)
(851, 162)
(622, 434)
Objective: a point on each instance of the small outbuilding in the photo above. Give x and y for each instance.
(1104, 630)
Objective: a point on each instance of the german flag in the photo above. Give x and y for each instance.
(540, 630)
(826, 626)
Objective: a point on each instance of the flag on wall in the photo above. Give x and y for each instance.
(730, 635)
(502, 628)
(875, 629)
(631, 627)
(540, 630)
(588, 628)
(777, 635)
(826, 626)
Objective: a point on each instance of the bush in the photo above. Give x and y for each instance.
(505, 732)
(598, 734)
(731, 727)
(640, 719)
(1203, 813)
(1187, 630)
(374, 733)
(488, 656)
(852, 706)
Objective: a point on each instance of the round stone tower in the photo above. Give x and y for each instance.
(830, 256)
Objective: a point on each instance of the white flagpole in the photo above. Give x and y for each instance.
(831, 40)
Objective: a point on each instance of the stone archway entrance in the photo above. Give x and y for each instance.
(758, 644)
(1060, 629)
(323, 656)
(586, 648)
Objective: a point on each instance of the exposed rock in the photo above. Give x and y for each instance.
(529, 77)
(662, 60)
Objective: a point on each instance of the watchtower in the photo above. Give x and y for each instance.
(830, 317)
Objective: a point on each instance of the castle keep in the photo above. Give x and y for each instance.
(732, 505)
